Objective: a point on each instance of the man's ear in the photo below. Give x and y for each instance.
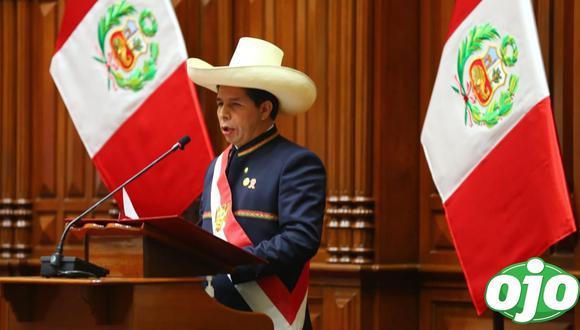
(265, 110)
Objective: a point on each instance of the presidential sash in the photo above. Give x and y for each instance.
(267, 295)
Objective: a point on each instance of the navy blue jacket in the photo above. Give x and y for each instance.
(278, 196)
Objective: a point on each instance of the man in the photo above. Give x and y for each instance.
(263, 193)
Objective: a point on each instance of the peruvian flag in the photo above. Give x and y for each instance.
(491, 144)
(120, 68)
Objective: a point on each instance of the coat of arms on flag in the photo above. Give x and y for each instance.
(487, 59)
(124, 36)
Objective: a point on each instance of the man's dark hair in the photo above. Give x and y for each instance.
(259, 96)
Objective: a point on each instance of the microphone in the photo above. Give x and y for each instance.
(58, 265)
(183, 141)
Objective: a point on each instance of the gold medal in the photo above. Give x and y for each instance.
(220, 217)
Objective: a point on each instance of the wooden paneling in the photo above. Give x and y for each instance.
(343, 95)
(396, 130)
(44, 176)
(315, 305)
(2, 107)
(22, 88)
(364, 296)
(339, 297)
(343, 307)
(363, 95)
(448, 308)
(572, 89)
(216, 48)
(316, 47)
(8, 100)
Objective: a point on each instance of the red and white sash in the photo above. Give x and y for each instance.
(268, 295)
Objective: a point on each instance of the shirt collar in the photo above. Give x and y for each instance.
(258, 141)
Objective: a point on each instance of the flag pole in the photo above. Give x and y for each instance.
(497, 321)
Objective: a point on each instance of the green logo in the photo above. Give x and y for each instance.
(124, 38)
(486, 57)
(532, 291)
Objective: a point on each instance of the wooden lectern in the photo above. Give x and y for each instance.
(156, 272)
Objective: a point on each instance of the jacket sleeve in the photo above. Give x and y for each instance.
(301, 202)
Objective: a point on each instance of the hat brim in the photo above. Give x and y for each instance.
(295, 91)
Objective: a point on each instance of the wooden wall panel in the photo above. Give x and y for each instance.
(342, 306)
(315, 306)
(300, 62)
(23, 113)
(344, 96)
(249, 28)
(451, 309)
(556, 68)
(316, 48)
(363, 94)
(333, 79)
(44, 30)
(46, 168)
(396, 130)
(216, 48)
(567, 90)
(572, 89)
(434, 243)
(2, 95)
(338, 299)
(8, 101)
(283, 30)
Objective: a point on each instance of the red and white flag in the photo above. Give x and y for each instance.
(491, 144)
(120, 68)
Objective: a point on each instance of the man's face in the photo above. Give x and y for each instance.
(240, 119)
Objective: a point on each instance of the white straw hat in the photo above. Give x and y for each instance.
(258, 64)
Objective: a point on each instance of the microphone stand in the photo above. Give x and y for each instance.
(58, 265)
